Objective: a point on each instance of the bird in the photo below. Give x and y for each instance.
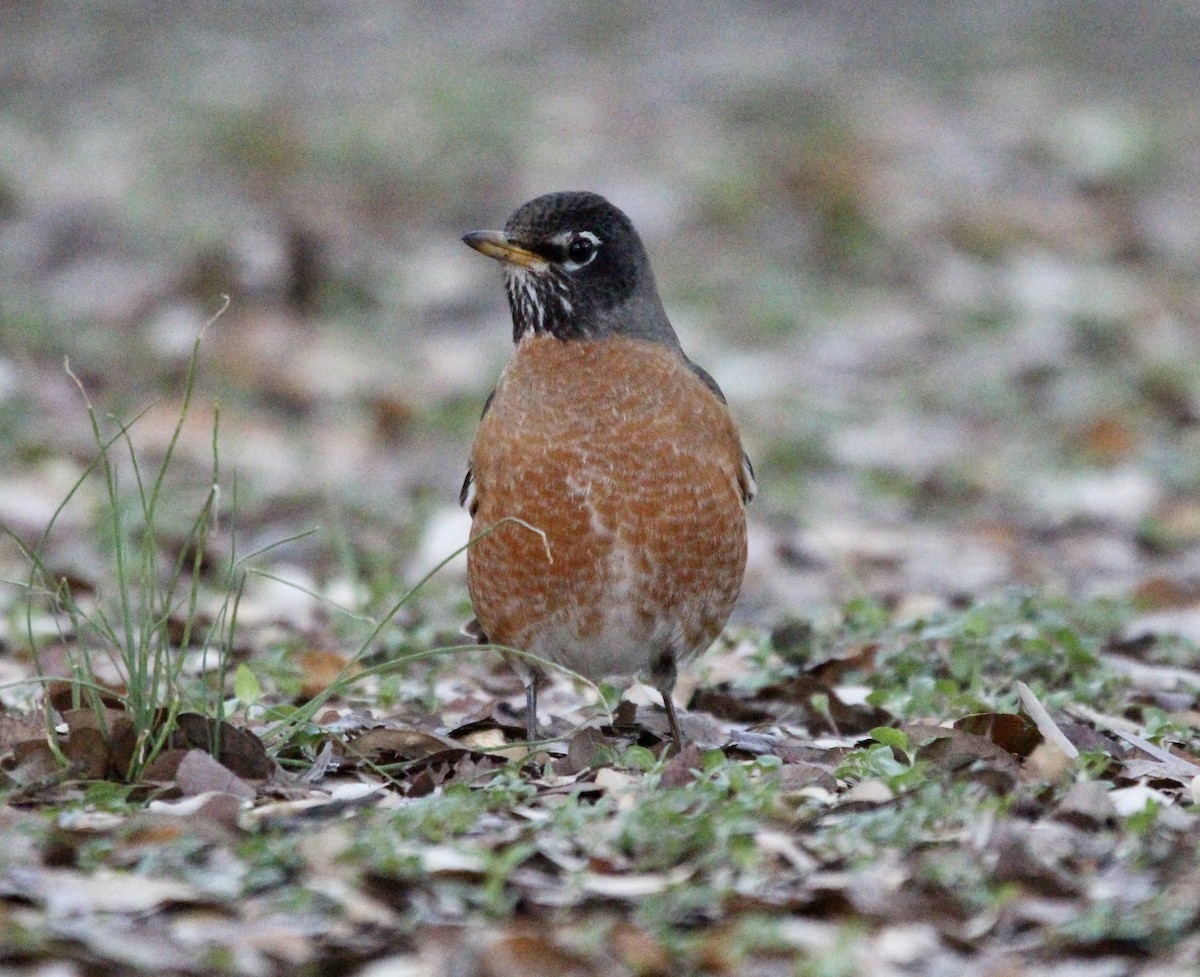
(607, 482)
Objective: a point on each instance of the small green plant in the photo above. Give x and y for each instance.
(959, 662)
(146, 607)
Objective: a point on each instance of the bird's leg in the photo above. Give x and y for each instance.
(673, 720)
(664, 676)
(531, 690)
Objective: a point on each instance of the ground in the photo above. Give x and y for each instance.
(942, 260)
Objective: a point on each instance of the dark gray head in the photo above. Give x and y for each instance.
(575, 268)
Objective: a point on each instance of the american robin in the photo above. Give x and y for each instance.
(617, 454)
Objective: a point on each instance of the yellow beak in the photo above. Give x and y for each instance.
(498, 245)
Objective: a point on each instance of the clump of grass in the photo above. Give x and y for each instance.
(145, 612)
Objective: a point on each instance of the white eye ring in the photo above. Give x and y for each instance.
(582, 249)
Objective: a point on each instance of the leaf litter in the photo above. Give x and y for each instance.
(1007, 838)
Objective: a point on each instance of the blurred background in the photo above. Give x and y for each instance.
(941, 256)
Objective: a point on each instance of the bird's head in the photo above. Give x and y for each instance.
(575, 268)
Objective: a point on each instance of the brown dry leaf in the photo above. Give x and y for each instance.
(1088, 739)
(89, 753)
(587, 749)
(728, 707)
(1108, 439)
(1086, 805)
(697, 726)
(85, 718)
(449, 766)
(320, 668)
(519, 953)
(682, 768)
(384, 745)
(958, 752)
(33, 761)
(1160, 593)
(797, 776)
(182, 629)
(639, 951)
(102, 743)
(14, 729)
(819, 707)
(198, 773)
(1013, 733)
(219, 810)
(63, 695)
(240, 750)
(857, 658)
(1156, 772)
(163, 767)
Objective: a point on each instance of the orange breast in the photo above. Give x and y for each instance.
(630, 466)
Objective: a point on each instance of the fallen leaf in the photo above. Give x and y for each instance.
(88, 751)
(16, 729)
(519, 954)
(237, 748)
(588, 748)
(804, 699)
(633, 885)
(65, 696)
(868, 793)
(1108, 439)
(1087, 804)
(958, 752)
(33, 760)
(1013, 733)
(857, 658)
(384, 745)
(1048, 763)
(199, 773)
(1179, 773)
(320, 668)
(162, 768)
(70, 893)
(682, 768)
(1046, 726)
(639, 951)
(1133, 800)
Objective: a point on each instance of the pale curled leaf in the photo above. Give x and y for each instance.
(1045, 724)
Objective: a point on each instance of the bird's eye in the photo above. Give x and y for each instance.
(582, 249)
